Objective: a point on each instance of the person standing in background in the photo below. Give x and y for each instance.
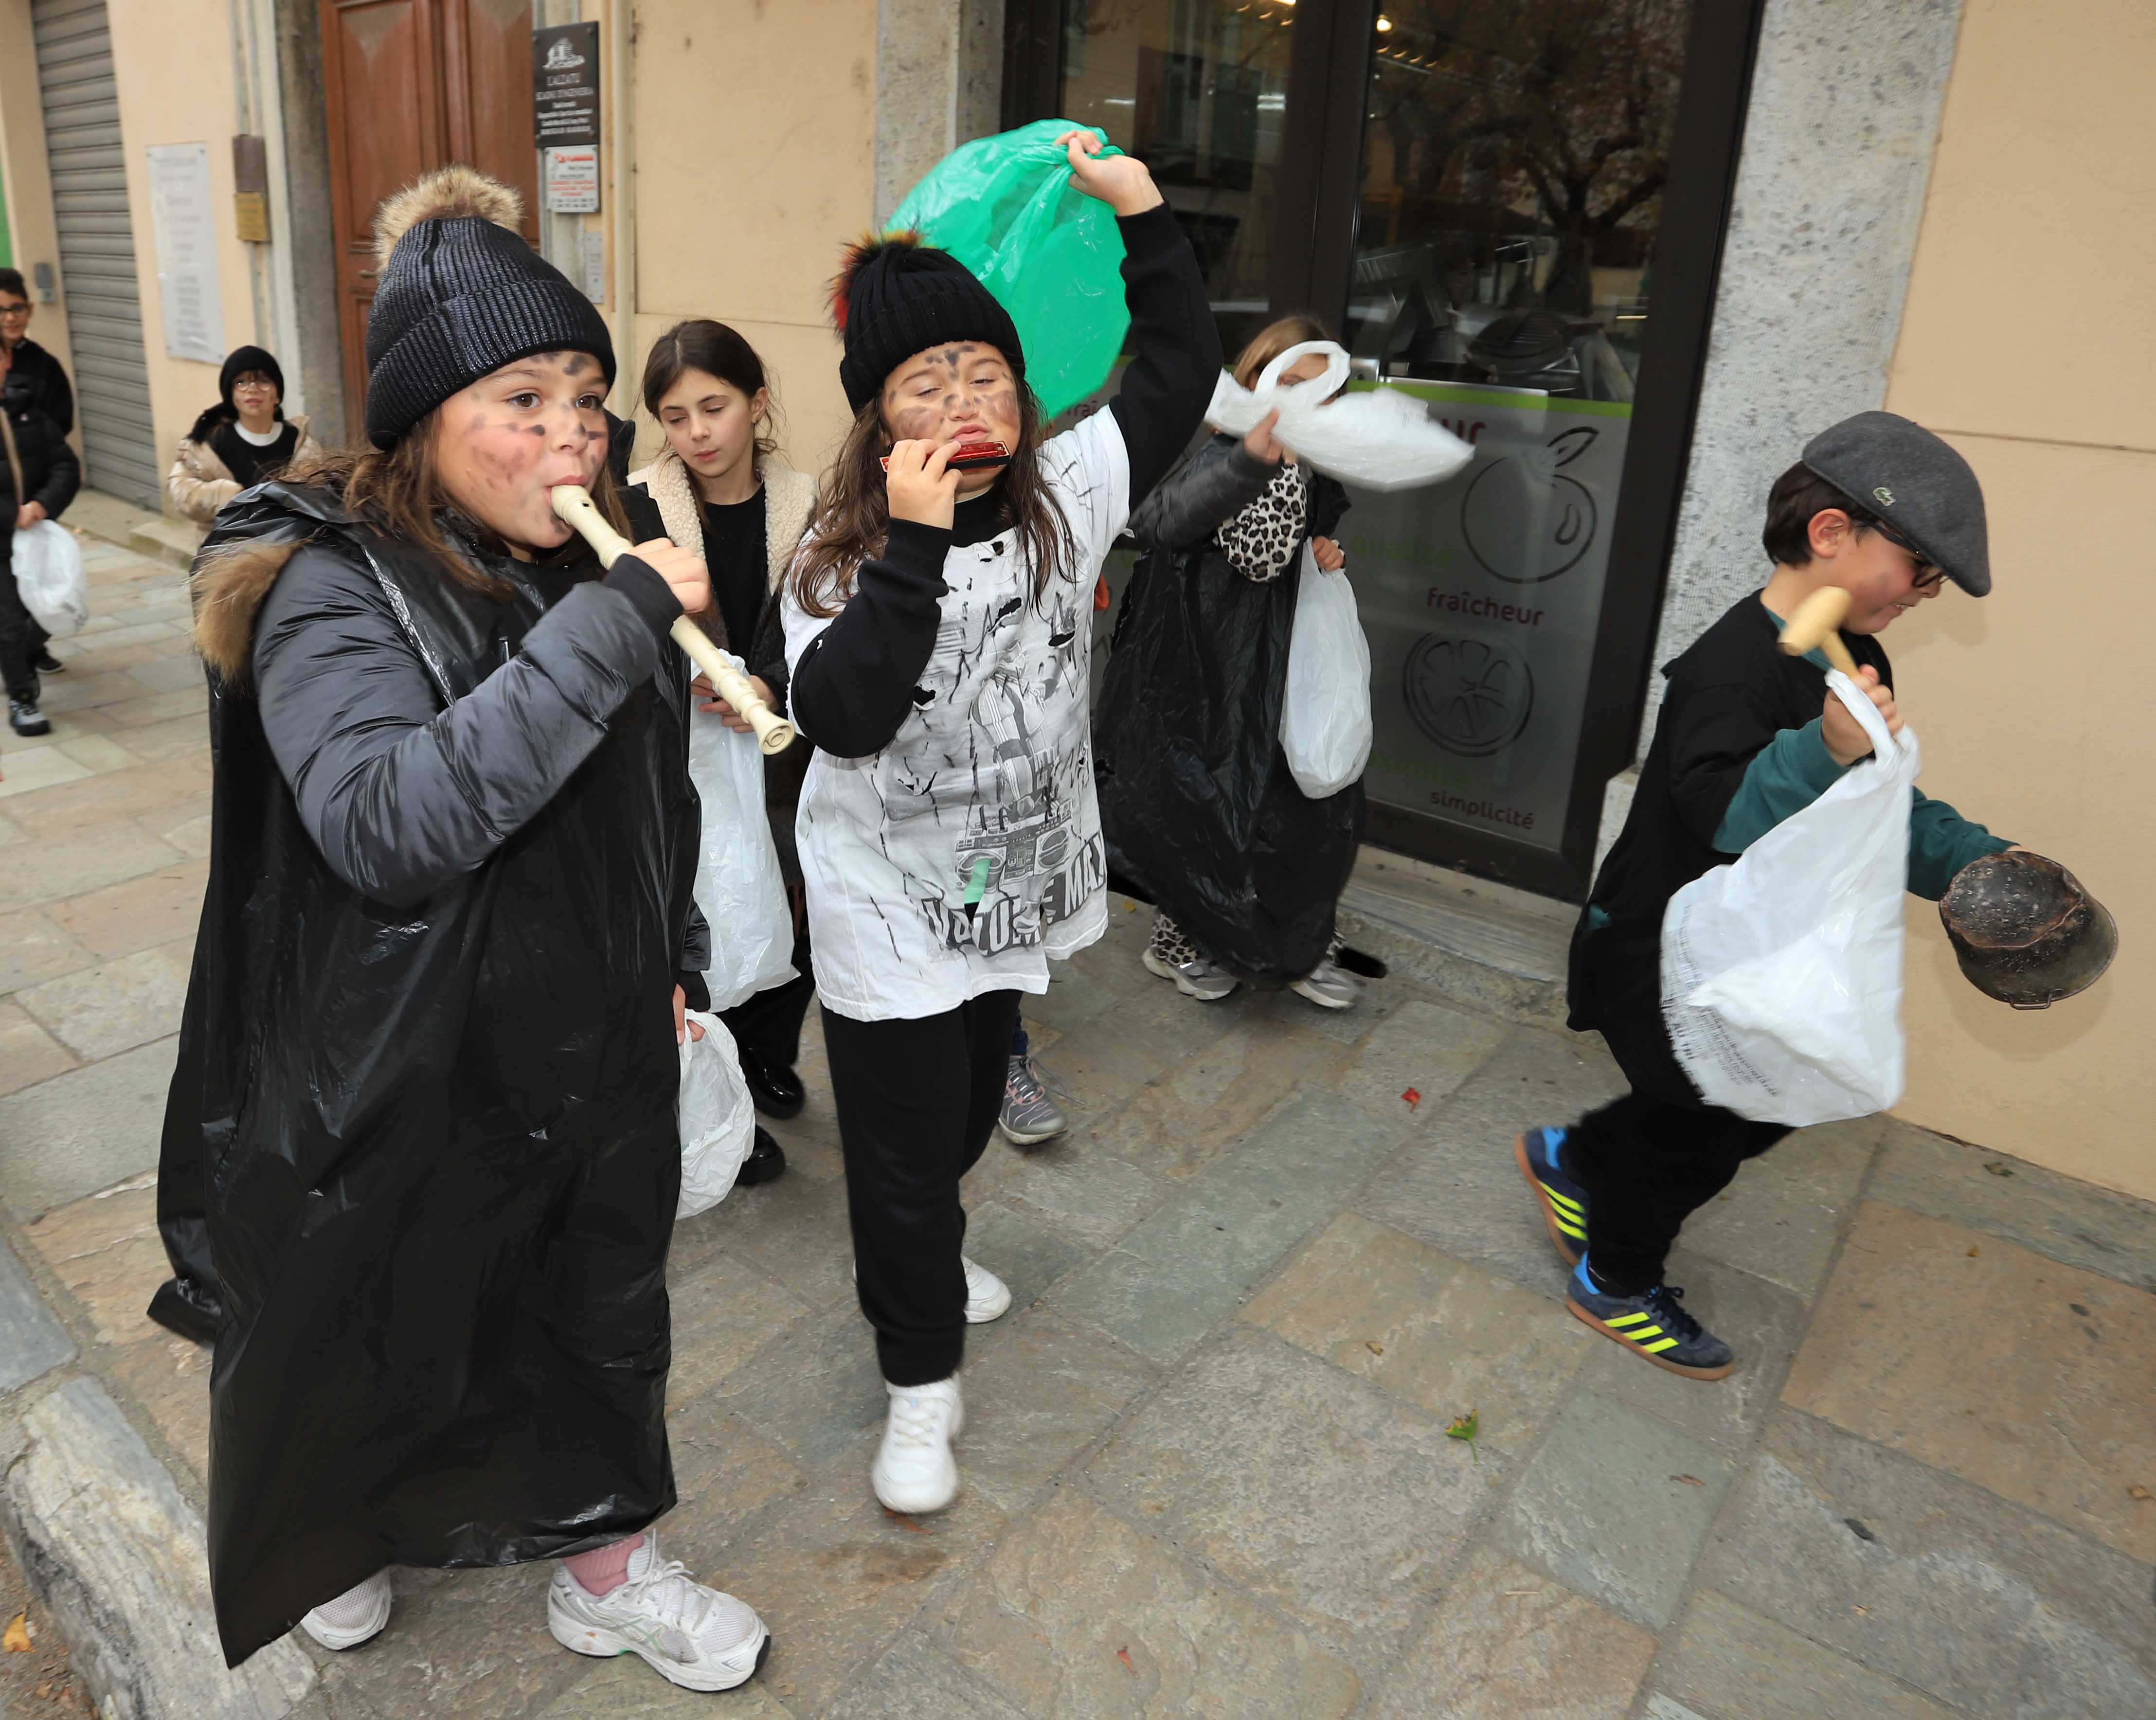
(243, 441)
(34, 375)
(38, 478)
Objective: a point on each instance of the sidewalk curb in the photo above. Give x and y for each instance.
(157, 537)
(117, 1559)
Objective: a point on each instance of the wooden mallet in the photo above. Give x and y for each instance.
(1817, 626)
(773, 732)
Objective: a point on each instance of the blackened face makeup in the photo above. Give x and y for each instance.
(503, 444)
(965, 392)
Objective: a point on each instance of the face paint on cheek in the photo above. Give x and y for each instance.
(915, 423)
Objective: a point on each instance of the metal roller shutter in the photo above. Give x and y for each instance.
(98, 280)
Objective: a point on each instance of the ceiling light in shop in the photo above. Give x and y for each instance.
(1384, 23)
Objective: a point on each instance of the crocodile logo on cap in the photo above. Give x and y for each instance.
(1886, 496)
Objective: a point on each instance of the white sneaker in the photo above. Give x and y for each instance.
(1328, 985)
(1199, 978)
(690, 1634)
(915, 1472)
(358, 1615)
(987, 1297)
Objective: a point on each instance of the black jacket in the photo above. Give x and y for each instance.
(35, 378)
(1201, 813)
(421, 1131)
(51, 473)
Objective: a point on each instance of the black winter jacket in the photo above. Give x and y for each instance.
(421, 1136)
(35, 378)
(1201, 813)
(51, 473)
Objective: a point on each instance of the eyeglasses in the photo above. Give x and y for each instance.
(13, 313)
(1928, 574)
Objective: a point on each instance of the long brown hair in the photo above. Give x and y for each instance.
(398, 493)
(854, 523)
(1275, 338)
(700, 343)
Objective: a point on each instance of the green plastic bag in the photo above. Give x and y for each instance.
(1005, 207)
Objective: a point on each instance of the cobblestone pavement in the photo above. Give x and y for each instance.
(1207, 1469)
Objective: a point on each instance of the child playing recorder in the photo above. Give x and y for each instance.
(1747, 735)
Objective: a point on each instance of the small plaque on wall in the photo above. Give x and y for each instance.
(572, 179)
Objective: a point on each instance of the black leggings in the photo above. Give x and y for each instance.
(769, 1025)
(1648, 1165)
(916, 1100)
(21, 639)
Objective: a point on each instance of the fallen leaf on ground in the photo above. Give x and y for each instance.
(1999, 1170)
(1972, 1253)
(1690, 1481)
(1373, 1346)
(1466, 1427)
(1413, 1096)
(904, 1523)
(1124, 1655)
(17, 1640)
(2138, 1492)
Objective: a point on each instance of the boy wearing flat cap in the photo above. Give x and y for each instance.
(1747, 735)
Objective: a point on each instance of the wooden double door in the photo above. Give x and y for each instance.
(410, 85)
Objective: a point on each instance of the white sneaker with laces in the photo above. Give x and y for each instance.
(1199, 978)
(690, 1633)
(1328, 985)
(358, 1615)
(987, 1297)
(914, 1472)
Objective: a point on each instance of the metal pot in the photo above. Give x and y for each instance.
(2025, 932)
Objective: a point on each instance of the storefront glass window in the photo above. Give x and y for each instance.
(1198, 90)
(1513, 162)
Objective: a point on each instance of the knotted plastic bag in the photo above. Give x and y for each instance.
(738, 884)
(1374, 437)
(1325, 714)
(1782, 970)
(1004, 207)
(49, 575)
(717, 1116)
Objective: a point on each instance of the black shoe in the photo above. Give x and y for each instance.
(192, 1310)
(24, 717)
(766, 1160)
(776, 1092)
(47, 663)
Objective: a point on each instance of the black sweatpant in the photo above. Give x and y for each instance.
(917, 1100)
(1648, 1165)
(21, 637)
(769, 1025)
(1657, 1155)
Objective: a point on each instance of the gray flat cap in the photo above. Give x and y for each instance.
(1914, 482)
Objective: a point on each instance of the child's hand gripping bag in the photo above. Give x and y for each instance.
(739, 885)
(1782, 970)
(1375, 438)
(1325, 728)
(1004, 207)
(717, 1117)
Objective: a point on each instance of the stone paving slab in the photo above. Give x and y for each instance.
(2046, 1396)
(83, 1130)
(1923, 1578)
(1726, 1663)
(33, 1341)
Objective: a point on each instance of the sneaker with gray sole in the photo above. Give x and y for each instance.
(1199, 978)
(1328, 985)
(1030, 1114)
(690, 1634)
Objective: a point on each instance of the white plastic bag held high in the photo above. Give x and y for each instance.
(1325, 716)
(738, 883)
(717, 1117)
(1782, 972)
(1376, 438)
(48, 573)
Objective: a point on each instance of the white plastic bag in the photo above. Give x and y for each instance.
(48, 573)
(1325, 717)
(738, 883)
(1782, 972)
(717, 1117)
(1377, 439)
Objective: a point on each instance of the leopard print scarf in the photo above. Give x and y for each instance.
(1261, 539)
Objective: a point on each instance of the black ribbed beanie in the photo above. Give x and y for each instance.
(237, 362)
(896, 296)
(461, 294)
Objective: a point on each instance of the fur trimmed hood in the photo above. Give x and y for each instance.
(241, 559)
(789, 498)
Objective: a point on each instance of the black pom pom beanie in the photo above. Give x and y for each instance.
(461, 294)
(897, 296)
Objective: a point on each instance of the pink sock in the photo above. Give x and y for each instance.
(605, 1569)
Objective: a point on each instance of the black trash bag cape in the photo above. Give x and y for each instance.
(1202, 816)
(426, 1156)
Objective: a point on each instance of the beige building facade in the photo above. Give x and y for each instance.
(1857, 203)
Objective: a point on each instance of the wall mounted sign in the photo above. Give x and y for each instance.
(184, 218)
(573, 178)
(565, 84)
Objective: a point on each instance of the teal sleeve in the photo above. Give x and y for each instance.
(1941, 843)
(1785, 776)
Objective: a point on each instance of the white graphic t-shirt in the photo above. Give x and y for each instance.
(986, 792)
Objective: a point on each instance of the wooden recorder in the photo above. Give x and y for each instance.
(573, 503)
